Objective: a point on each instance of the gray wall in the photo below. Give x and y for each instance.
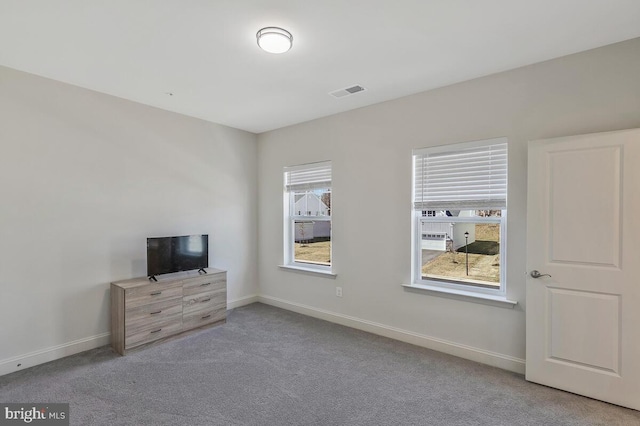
(370, 150)
(84, 179)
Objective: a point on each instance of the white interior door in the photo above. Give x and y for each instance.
(583, 229)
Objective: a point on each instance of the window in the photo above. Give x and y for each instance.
(307, 215)
(460, 207)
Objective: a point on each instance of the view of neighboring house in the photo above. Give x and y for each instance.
(310, 204)
(444, 235)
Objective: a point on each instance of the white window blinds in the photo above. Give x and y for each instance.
(308, 176)
(462, 176)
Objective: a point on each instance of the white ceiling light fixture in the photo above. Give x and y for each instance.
(274, 39)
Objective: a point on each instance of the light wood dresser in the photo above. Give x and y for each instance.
(143, 311)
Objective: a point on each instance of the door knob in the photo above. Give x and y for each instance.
(536, 274)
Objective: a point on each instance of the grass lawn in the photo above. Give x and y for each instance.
(484, 259)
(319, 253)
(488, 232)
(483, 268)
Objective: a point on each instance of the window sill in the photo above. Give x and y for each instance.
(310, 271)
(469, 296)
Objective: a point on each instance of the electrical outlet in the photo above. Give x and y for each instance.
(339, 291)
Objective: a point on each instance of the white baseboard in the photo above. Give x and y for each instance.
(506, 362)
(247, 300)
(50, 354)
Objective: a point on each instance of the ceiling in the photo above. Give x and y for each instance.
(200, 57)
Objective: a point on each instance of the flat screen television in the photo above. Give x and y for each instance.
(175, 254)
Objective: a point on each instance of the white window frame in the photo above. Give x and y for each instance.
(306, 177)
(456, 286)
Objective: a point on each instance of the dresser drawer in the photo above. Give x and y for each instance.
(146, 314)
(204, 317)
(205, 283)
(201, 301)
(151, 293)
(153, 331)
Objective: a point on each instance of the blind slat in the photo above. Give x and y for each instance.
(308, 176)
(461, 178)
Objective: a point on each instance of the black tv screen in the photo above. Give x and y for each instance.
(175, 254)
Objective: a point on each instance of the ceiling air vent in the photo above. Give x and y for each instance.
(347, 92)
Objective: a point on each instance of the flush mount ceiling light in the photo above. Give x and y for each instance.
(274, 40)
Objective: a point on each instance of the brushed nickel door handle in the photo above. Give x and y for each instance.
(536, 274)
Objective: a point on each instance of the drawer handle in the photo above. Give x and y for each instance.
(156, 331)
(153, 313)
(206, 316)
(205, 284)
(156, 293)
(205, 300)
